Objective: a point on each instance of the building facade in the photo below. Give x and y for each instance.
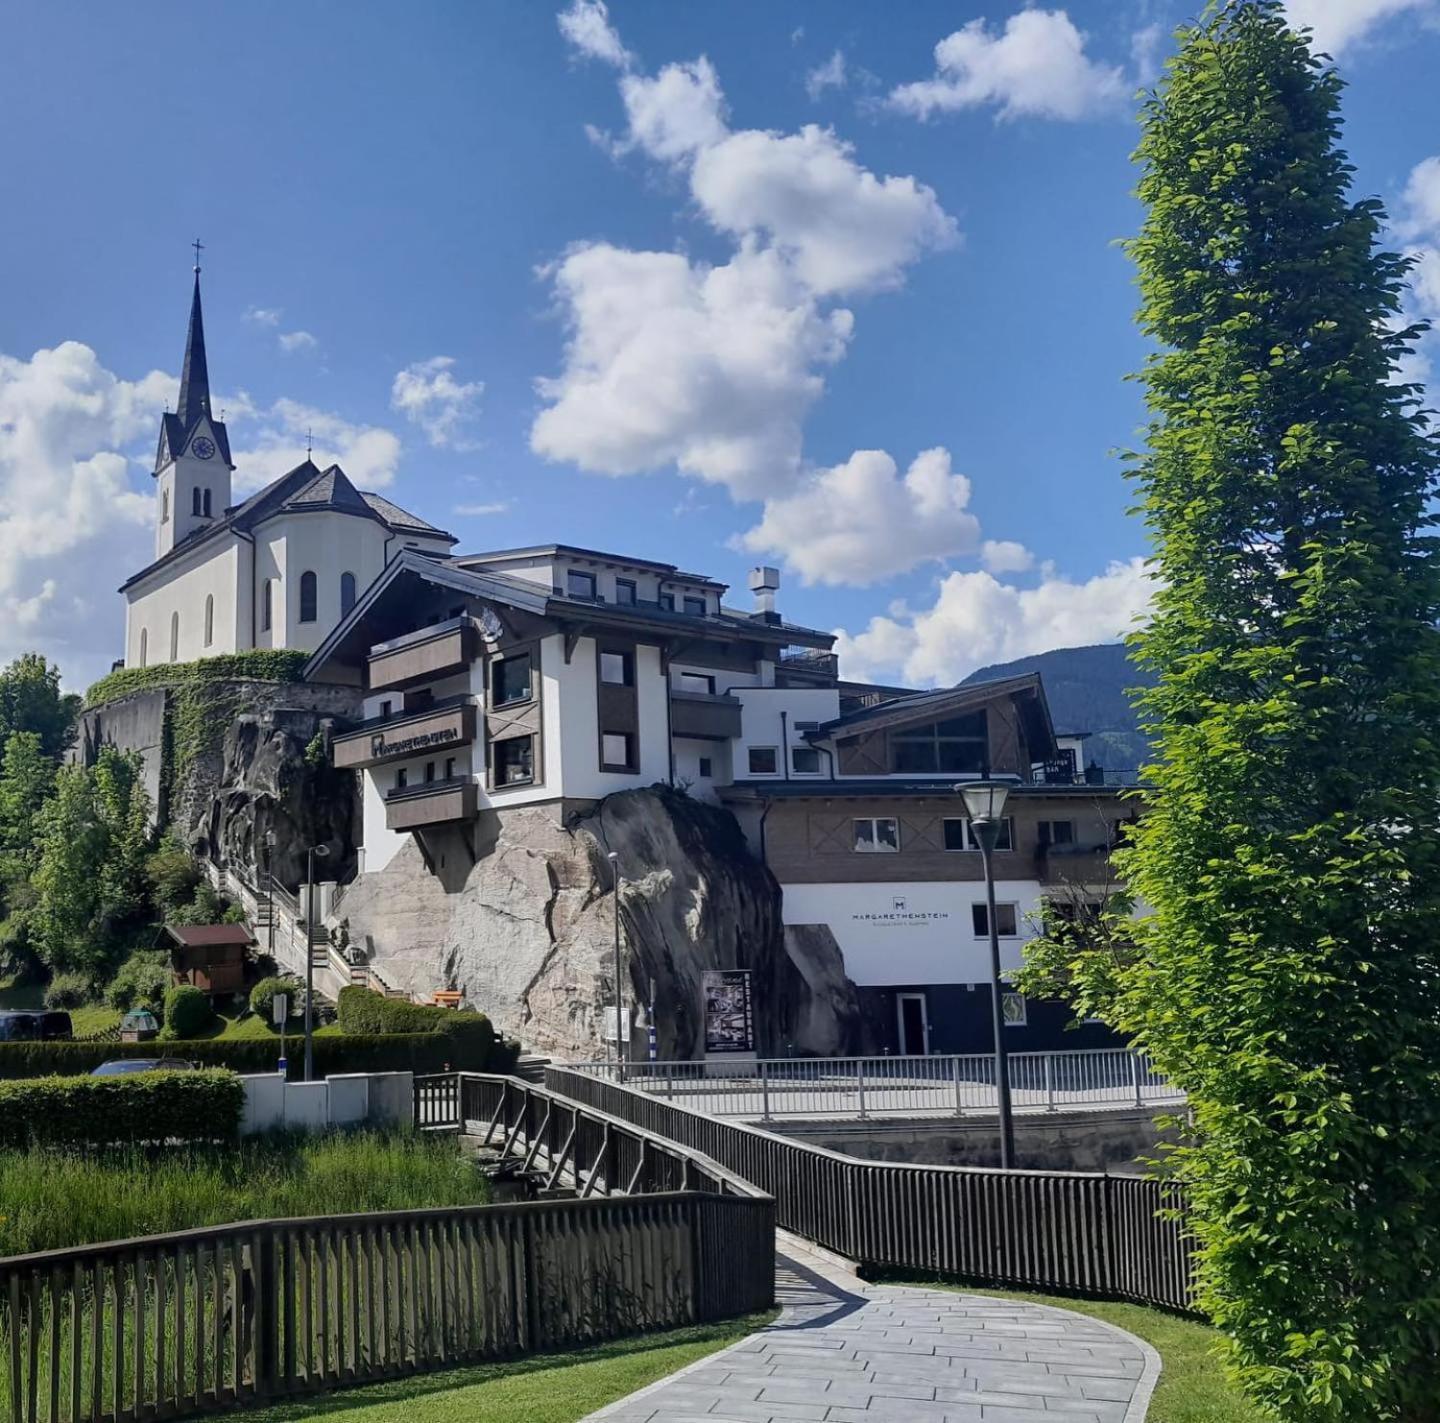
(278, 570)
(554, 676)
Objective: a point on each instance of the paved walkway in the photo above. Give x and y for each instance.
(844, 1351)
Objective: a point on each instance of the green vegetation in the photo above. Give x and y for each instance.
(1288, 977)
(187, 1012)
(545, 1388)
(258, 665)
(54, 1198)
(101, 1111)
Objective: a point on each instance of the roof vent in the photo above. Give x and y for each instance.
(763, 584)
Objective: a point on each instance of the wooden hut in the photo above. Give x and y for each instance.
(210, 957)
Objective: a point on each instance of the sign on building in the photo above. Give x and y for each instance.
(729, 1013)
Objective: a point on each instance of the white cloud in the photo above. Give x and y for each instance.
(1006, 556)
(263, 315)
(1417, 225)
(1036, 66)
(676, 114)
(829, 75)
(1337, 24)
(368, 454)
(586, 24)
(432, 398)
(976, 620)
(480, 511)
(859, 523)
(292, 341)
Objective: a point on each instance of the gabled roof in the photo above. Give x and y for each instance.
(620, 560)
(200, 936)
(305, 489)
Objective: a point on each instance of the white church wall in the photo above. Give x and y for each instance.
(183, 591)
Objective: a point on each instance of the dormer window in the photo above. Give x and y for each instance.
(579, 585)
(694, 606)
(625, 592)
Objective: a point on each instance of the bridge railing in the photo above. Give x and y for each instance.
(1110, 1236)
(864, 1087)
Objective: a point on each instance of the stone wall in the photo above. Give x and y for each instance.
(133, 723)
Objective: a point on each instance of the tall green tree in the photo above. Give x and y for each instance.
(1287, 973)
(27, 779)
(31, 700)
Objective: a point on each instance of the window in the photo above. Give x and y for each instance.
(763, 761)
(514, 761)
(617, 668)
(209, 619)
(510, 680)
(1006, 920)
(174, 637)
(206, 509)
(957, 746)
(429, 771)
(267, 614)
(877, 835)
(347, 593)
(695, 606)
(805, 760)
(695, 682)
(144, 644)
(195, 500)
(958, 836)
(1012, 1009)
(617, 751)
(385, 707)
(705, 768)
(308, 597)
(579, 585)
(449, 768)
(667, 601)
(1057, 832)
(402, 779)
(164, 506)
(625, 592)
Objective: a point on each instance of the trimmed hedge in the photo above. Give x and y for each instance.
(258, 665)
(101, 1111)
(187, 1010)
(362, 1010)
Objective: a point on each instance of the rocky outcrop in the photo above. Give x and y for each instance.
(527, 932)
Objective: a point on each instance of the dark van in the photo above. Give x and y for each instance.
(35, 1026)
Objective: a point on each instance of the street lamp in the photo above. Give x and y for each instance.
(985, 806)
(314, 852)
(619, 997)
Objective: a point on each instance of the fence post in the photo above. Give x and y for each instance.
(1135, 1077)
(764, 1092)
(267, 1344)
(1049, 1082)
(959, 1090)
(860, 1087)
(669, 1082)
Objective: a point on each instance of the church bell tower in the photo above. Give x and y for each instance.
(192, 462)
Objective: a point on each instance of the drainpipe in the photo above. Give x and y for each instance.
(785, 740)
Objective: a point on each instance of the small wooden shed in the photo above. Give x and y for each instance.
(210, 957)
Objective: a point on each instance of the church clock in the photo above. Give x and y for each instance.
(203, 448)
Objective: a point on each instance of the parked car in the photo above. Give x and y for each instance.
(120, 1066)
(35, 1025)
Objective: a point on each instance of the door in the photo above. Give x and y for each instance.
(914, 1030)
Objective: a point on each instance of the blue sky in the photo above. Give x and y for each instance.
(716, 284)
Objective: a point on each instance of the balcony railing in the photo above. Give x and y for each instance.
(440, 727)
(431, 803)
(704, 716)
(425, 654)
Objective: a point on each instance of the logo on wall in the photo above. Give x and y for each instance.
(729, 1016)
(898, 904)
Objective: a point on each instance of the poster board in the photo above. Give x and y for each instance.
(729, 1012)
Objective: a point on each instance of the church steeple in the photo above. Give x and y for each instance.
(195, 377)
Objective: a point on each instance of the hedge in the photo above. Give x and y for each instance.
(362, 1010)
(101, 1111)
(258, 665)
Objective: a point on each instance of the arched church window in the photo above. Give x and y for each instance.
(164, 505)
(308, 597)
(209, 619)
(195, 501)
(206, 509)
(347, 593)
(267, 620)
(144, 644)
(174, 637)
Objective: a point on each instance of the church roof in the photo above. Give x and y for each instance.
(194, 403)
(305, 489)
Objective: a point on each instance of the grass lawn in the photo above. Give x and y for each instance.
(1193, 1388)
(547, 1388)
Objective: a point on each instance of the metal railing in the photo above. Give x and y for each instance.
(175, 1324)
(1117, 1237)
(866, 1087)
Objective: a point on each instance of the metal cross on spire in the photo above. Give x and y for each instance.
(199, 247)
(309, 444)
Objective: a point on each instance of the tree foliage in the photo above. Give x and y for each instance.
(31, 700)
(1288, 974)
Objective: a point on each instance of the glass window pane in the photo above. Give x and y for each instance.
(624, 591)
(580, 585)
(916, 756)
(615, 668)
(972, 725)
(980, 920)
(887, 834)
(510, 680)
(615, 747)
(864, 834)
(763, 761)
(962, 757)
(514, 761)
(1005, 919)
(695, 605)
(955, 835)
(805, 760)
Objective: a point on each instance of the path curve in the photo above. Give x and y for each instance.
(844, 1351)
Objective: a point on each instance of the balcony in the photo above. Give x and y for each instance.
(424, 655)
(433, 803)
(704, 716)
(1074, 864)
(450, 724)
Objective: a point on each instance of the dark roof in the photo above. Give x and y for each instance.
(905, 708)
(940, 787)
(304, 489)
(204, 936)
(195, 376)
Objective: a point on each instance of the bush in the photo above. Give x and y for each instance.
(173, 875)
(362, 1010)
(187, 1011)
(99, 1111)
(68, 990)
(263, 995)
(257, 665)
(142, 978)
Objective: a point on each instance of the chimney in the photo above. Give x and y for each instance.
(763, 583)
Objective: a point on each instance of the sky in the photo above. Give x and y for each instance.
(831, 286)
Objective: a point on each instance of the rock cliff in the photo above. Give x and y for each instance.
(527, 931)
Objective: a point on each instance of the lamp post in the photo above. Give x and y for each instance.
(619, 997)
(314, 852)
(985, 807)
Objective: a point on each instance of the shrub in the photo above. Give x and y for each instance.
(142, 978)
(187, 1011)
(263, 995)
(362, 1010)
(98, 1111)
(173, 875)
(68, 990)
(257, 665)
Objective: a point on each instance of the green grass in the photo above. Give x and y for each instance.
(1193, 1387)
(53, 1199)
(547, 1388)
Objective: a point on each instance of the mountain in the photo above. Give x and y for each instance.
(1087, 691)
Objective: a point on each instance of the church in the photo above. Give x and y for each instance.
(278, 570)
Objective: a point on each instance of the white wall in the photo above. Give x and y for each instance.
(183, 590)
(761, 725)
(897, 933)
(579, 739)
(380, 844)
(688, 754)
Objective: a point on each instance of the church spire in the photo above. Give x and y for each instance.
(195, 378)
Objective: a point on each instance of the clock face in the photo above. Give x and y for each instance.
(203, 448)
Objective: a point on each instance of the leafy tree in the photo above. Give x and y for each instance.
(31, 700)
(27, 777)
(1288, 975)
(173, 875)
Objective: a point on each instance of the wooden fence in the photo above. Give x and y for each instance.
(176, 1324)
(1118, 1237)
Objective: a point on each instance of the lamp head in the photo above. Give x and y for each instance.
(320, 851)
(984, 800)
